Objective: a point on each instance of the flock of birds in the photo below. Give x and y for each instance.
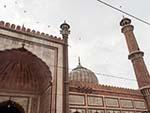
(24, 11)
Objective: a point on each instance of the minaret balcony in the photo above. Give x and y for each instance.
(135, 55)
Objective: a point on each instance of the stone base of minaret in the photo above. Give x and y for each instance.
(146, 93)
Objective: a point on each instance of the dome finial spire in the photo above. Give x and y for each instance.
(123, 16)
(79, 63)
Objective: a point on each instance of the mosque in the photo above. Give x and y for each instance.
(34, 76)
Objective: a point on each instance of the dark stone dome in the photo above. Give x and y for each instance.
(82, 74)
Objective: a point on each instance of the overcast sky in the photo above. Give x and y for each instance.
(95, 32)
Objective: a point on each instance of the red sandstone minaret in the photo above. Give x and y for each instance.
(136, 56)
(65, 31)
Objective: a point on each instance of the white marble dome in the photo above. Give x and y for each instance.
(82, 74)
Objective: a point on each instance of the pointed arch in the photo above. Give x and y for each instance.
(10, 106)
(21, 69)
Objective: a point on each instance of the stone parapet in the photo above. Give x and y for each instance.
(95, 88)
(28, 31)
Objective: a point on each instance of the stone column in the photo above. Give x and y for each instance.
(65, 32)
(136, 57)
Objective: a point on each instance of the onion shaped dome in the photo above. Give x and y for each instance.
(82, 74)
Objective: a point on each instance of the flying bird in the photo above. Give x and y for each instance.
(4, 6)
(15, 2)
(24, 11)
